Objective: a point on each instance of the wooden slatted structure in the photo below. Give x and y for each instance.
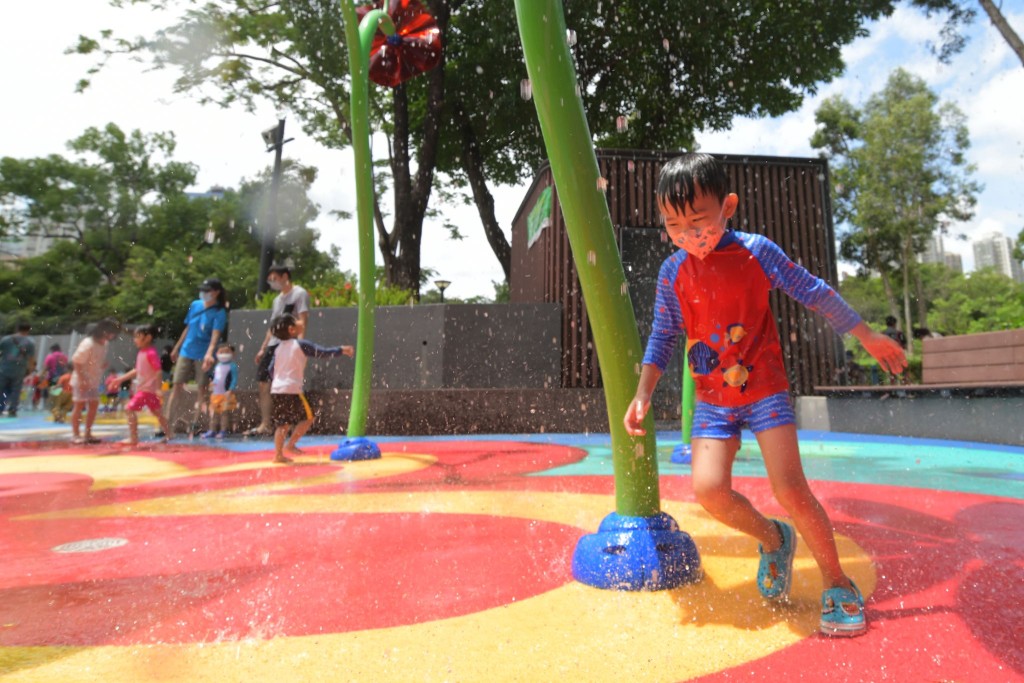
(984, 359)
(784, 198)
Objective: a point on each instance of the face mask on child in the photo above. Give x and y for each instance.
(224, 357)
(701, 242)
(275, 285)
(208, 297)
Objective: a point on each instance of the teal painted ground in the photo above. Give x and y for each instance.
(919, 463)
(940, 465)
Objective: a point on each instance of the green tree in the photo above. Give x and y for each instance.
(56, 291)
(901, 176)
(984, 301)
(101, 199)
(133, 243)
(650, 75)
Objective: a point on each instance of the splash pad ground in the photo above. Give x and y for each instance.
(449, 560)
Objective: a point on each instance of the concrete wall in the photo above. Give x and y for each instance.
(968, 415)
(465, 346)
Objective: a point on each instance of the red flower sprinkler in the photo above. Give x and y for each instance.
(389, 46)
(413, 48)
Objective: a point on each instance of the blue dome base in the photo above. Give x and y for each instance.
(637, 554)
(357, 448)
(682, 454)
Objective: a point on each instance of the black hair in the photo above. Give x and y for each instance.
(280, 270)
(149, 330)
(24, 327)
(890, 321)
(55, 347)
(682, 176)
(101, 329)
(229, 347)
(279, 326)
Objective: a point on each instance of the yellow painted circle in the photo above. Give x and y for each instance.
(573, 632)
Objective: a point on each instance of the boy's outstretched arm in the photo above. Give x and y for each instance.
(316, 351)
(889, 354)
(641, 403)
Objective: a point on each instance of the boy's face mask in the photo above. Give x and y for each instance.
(224, 357)
(207, 297)
(700, 242)
(699, 230)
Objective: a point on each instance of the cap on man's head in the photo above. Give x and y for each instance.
(211, 284)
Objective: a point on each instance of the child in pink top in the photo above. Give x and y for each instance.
(148, 377)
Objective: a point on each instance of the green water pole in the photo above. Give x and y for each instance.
(683, 453)
(688, 403)
(358, 39)
(592, 238)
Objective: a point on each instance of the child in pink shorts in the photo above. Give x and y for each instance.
(148, 376)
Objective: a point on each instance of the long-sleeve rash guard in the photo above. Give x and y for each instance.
(288, 368)
(721, 305)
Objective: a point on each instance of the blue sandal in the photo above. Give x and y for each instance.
(842, 612)
(775, 573)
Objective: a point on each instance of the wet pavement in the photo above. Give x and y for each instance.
(449, 559)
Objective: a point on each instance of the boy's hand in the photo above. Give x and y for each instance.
(349, 351)
(635, 415)
(889, 354)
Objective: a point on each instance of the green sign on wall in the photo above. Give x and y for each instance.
(539, 218)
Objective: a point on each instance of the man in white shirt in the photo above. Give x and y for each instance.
(293, 300)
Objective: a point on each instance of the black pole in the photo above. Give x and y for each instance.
(270, 228)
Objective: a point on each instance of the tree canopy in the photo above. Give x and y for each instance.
(132, 242)
(899, 176)
(650, 75)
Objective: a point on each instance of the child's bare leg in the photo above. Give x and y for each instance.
(90, 416)
(164, 427)
(786, 473)
(712, 484)
(225, 421)
(279, 434)
(76, 418)
(133, 428)
(297, 433)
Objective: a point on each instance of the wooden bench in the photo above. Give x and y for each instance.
(991, 362)
(988, 358)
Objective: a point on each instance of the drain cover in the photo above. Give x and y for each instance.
(91, 545)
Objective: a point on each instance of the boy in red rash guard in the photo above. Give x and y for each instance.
(714, 290)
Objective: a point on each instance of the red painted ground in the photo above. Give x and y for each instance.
(949, 605)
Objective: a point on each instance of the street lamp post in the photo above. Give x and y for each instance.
(441, 286)
(273, 138)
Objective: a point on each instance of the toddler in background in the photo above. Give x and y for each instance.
(88, 363)
(148, 376)
(223, 382)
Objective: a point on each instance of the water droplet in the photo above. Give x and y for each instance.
(592, 257)
(210, 236)
(621, 124)
(149, 310)
(664, 44)
(479, 69)
(624, 289)
(602, 184)
(570, 37)
(630, 166)
(190, 258)
(526, 89)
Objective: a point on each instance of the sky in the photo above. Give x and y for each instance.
(43, 112)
